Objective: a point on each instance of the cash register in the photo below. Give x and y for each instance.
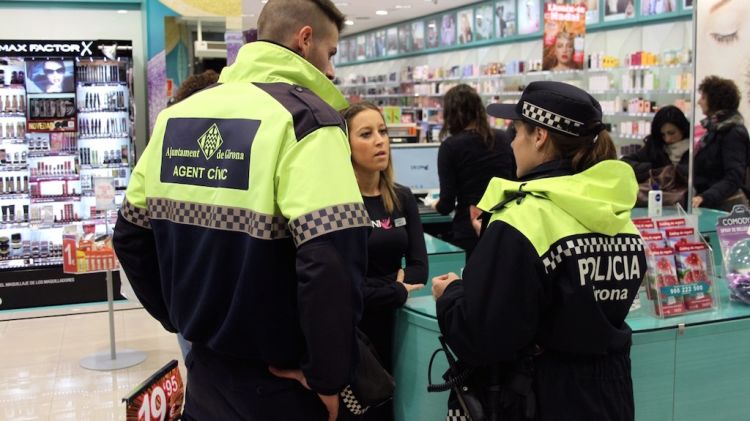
(415, 166)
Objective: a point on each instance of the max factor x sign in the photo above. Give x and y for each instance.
(40, 48)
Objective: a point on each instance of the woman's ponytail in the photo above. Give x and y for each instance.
(597, 149)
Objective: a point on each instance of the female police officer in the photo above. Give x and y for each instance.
(543, 299)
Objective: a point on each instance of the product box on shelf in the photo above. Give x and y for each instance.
(734, 237)
(88, 248)
(681, 274)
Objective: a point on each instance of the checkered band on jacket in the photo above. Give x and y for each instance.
(456, 415)
(351, 402)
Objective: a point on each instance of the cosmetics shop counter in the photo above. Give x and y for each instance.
(691, 367)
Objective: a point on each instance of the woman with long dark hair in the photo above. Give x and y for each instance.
(667, 144)
(471, 154)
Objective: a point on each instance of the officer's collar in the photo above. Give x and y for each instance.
(555, 168)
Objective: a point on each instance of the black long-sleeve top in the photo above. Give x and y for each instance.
(652, 156)
(395, 236)
(465, 166)
(721, 160)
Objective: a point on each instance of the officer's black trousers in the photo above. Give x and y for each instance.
(584, 388)
(227, 390)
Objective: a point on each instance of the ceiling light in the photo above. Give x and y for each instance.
(341, 4)
(122, 12)
(432, 25)
(348, 22)
(403, 6)
(381, 12)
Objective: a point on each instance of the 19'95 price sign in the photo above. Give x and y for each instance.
(159, 398)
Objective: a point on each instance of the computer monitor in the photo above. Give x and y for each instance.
(415, 166)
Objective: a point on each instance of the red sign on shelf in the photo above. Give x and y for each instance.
(160, 397)
(70, 247)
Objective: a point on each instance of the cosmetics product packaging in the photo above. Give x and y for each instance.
(692, 260)
(665, 275)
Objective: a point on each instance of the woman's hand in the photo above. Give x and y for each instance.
(440, 283)
(409, 287)
(434, 204)
(474, 215)
(697, 201)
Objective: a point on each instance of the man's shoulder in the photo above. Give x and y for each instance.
(309, 112)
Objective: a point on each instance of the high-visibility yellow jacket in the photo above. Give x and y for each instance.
(243, 227)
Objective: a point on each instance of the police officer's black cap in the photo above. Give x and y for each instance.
(556, 106)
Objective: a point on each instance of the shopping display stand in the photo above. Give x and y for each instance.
(87, 249)
(114, 359)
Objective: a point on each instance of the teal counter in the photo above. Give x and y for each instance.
(685, 368)
(435, 218)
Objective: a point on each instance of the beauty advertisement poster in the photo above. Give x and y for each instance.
(564, 35)
(723, 31)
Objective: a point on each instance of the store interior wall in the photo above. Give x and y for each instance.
(676, 35)
(70, 24)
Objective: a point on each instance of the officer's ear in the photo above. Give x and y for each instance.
(303, 40)
(541, 137)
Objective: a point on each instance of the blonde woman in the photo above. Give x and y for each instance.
(396, 234)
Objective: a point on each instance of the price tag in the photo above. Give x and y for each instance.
(159, 398)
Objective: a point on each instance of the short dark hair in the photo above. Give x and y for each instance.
(669, 114)
(195, 83)
(721, 94)
(280, 19)
(463, 108)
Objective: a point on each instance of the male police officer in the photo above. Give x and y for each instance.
(244, 230)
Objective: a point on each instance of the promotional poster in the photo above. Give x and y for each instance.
(505, 18)
(592, 12)
(380, 43)
(564, 34)
(723, 31)
(417, 33)
(448, 30)
(404, 38)
(370, 45)
(618, 9)
(360, 51)
(433, 39)
(657, 7)
(528, 17)
(50, 76)
(483, 23)
(391, 48)
(465, 26)
(52, 113)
